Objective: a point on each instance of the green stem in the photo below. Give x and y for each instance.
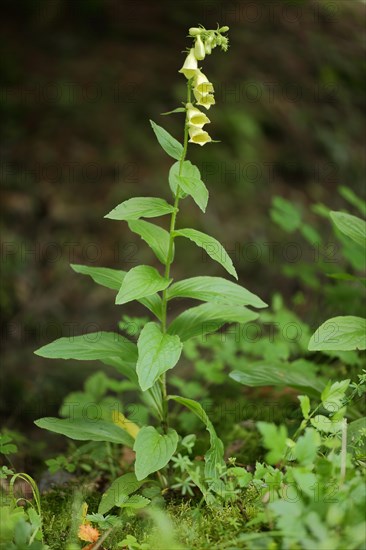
(169, 260)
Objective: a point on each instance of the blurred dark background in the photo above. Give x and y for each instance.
(80, 80)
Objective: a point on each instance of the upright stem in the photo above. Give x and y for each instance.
(169, 260)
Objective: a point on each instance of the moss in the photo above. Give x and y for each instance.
(198, 527)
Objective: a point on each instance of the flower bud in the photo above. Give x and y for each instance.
(195, 117)
(194, 31)
(190, 67)
(199, 49)
(224, 29)
(198, 136)
(208, 45)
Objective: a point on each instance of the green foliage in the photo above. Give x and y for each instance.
(211, 246)
(153, 450)
(21, 527)
(121, 487)
(86, 430)
(158, 352)
(6, 445)
(170, 145)
(140, 282)
(97, 345)
(345, 333)
(206, 318)
(140, 207)
(349, 225)
(214, 289)
(188, 178)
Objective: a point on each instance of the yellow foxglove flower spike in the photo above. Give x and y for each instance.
(190, 67)
(130, 427)
(195, 117)
(199, 48)
(198, 136)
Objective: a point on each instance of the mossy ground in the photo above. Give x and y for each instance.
(193, 525)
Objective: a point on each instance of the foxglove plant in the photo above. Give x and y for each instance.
(160, 342)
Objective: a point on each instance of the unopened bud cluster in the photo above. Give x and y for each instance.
(203, 90)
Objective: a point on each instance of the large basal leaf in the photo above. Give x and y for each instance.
(140, 207)
(156, 237)
(157, 353)
(340, 333)
(121, 487)
(140, 282)
(214, 458)
(170, 145)
(190, 182)
(349, 225)
(113, 279)
(207, 318)
(211, 246)
(86, 430)
(214, 289)
(153, 450)
(88, 347)
(298, 375)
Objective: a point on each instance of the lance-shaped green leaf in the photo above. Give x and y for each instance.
(153, 450)
(157, 353)
(340, 333)
(113, 279)
(207, 318)
(88, 347)
(104, 276)
(211, 246)
(170, 145)
(156, 237)
(140, 282)
(140, 207)
(86, 430)
(189, 180)
(121, 487)
(297, 375)
(214, 289)
(352, 226)
(214, 458)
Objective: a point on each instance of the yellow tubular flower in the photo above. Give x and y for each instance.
(205, 100)
(198, 136)
(202, 85)
(199, 48)
(195, 117)
(130, 427)
(190, 67)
